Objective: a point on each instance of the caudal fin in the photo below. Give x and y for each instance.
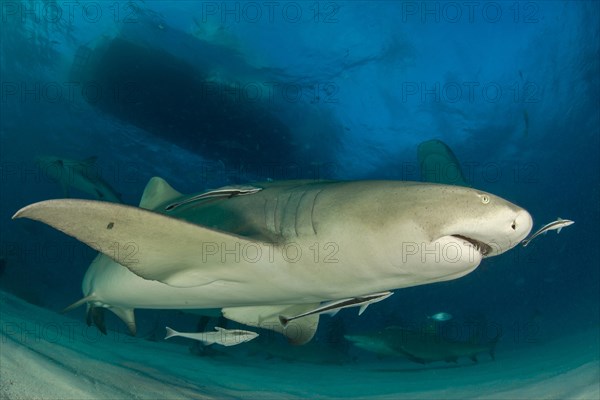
(171, 333)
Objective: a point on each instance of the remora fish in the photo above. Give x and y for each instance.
(558, 225)
(421, 346)
(227, 191)
(81, 175)
(274, 268)
(335, 306)
(224, 337)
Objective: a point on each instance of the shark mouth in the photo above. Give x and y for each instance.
(481, 247)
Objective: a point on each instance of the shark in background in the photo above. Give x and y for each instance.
(422, 345)
(82, 175)
(438, 164)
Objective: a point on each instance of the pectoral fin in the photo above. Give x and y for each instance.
(151, 245)
(299, 331)
(362, 309)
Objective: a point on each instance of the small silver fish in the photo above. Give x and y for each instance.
(334, 306)
(441, 316)
(224, 337)
(558, 225)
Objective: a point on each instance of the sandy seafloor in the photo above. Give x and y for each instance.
(46, 355)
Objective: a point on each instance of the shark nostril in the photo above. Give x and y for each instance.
(514, 225)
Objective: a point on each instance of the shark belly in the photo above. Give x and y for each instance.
(307, 271)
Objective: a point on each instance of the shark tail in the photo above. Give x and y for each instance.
(171, 333)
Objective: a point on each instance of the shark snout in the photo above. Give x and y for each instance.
(515, 230)
(522, 225)
(493, 233)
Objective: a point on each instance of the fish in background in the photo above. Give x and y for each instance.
(81, 175)
(438, 164)
(224, 337)
(555, 225)
(440, 317)
(422, 345)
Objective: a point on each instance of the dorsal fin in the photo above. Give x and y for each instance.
(438, 164)
(157, 191)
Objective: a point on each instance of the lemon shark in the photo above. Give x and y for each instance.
(281, 248)
(79, 174)
(422, 346)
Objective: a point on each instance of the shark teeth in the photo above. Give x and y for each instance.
(480, 247)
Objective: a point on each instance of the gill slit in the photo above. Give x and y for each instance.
(312, 211)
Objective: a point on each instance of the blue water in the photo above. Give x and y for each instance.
(353, 88)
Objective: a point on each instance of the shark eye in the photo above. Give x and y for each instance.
(485, 198)
(514, 225)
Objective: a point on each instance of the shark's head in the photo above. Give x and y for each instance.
(52, 167)
(445, 231)
(478, 222)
